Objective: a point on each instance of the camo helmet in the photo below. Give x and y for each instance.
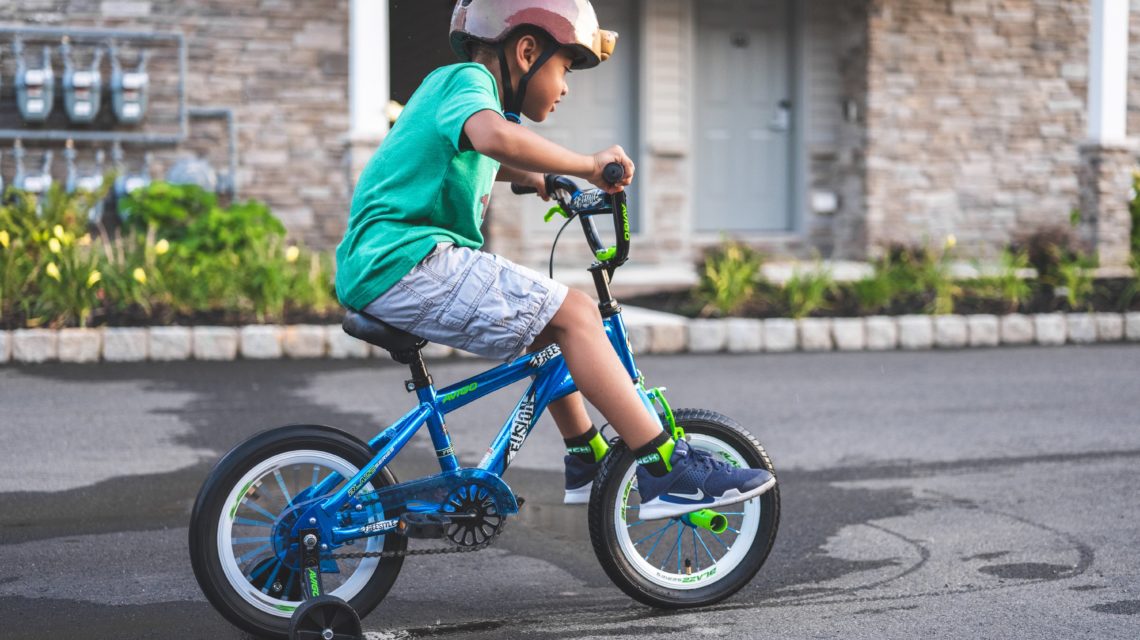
(570, 23)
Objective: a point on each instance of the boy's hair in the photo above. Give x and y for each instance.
(484, 52)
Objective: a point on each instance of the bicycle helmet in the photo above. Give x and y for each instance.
(569, 23)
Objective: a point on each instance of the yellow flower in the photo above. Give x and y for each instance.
(161, 247)
(5, 239)
(951, 241)
(93, 279)
(291, 254)
(139, 275)
(85, 241)
(57, 231)
(52, 271)
(53, 245)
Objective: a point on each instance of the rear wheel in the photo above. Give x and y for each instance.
(673, 563)
(238, 544)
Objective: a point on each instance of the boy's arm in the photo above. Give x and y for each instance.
(524, 178)
(526, 151)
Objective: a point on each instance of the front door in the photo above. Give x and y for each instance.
(744, 116)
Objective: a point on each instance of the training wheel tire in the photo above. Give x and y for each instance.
(325, 618)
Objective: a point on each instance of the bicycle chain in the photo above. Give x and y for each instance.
(368, 501)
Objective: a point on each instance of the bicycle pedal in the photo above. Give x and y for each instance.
(423, 525)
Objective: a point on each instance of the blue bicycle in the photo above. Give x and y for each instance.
(300, 530)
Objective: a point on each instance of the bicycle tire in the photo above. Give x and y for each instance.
(238, 603)
(610, 531)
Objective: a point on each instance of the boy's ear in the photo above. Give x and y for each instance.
(527, 50)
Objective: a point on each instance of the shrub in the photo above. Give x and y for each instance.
(728, 278)
(806, 292)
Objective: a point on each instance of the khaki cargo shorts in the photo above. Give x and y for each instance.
(471, 300)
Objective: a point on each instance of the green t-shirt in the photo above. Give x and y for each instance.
(420, 188)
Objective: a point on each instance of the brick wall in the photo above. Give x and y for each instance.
(975, 109)
(282, 65)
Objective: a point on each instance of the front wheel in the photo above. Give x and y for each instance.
(672, 563)
(238, 540)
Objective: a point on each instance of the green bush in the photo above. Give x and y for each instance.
(807, 292)
(728, 278)
(179, 253)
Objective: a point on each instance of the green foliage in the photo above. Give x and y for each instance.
(1008, 284)
(728, 278)
(1134, 208)
(1075, 282)
(179, 253)
(806, 292)
(48, 267)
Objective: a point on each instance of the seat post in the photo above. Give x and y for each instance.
(420, 376)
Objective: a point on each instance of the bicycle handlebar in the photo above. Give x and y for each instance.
(609, 257)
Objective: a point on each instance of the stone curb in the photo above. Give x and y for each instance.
(656, 334)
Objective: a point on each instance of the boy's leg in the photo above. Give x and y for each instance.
(597, 371)
(569, 413)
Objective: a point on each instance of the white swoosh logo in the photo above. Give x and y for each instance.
(699, 495)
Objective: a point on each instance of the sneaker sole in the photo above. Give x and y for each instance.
(581, 495)
(658, 509)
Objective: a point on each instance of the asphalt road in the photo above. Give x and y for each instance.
(984, 494)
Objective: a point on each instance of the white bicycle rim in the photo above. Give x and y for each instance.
(704, 543)
(268, 471)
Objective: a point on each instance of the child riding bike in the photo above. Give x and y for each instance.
(411, 253)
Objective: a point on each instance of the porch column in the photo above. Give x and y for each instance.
(368, 85)
(1108, 156)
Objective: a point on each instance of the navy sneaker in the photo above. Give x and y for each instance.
(697, 481)
(579, 480)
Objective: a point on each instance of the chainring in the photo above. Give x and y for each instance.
(475, 517)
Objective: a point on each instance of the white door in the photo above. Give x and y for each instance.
(601, 108)
(744, 115)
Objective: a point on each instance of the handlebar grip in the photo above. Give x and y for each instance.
(520, 190)
(613, 173)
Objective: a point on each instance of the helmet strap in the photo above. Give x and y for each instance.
(512, 101)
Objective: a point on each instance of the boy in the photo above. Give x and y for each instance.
(411, 258)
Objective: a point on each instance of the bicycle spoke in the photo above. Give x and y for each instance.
(253, 554)
(262, 569)
(696, 555)
(258, 508)
(272, 577)
(657, 541)
(702, 540)
(667, 525)
(669, 554)
(281, 485)
(716, 536)
(249, 540)
(249, 522)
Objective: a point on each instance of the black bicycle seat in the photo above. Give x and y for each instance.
(401, 344)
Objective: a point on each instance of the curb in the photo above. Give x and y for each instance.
(650, 333)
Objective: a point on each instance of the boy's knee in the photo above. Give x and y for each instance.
(578, 310)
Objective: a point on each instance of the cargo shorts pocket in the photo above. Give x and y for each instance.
(472, 286)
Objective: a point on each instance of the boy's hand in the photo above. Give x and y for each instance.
(601, 159)
(538, 181)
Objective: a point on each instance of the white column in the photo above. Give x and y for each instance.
(368, 69)
(1108, 71)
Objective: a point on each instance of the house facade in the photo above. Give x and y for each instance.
(804, 127)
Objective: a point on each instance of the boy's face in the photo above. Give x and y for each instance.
(547, 87)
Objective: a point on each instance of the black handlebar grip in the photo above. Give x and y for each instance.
(613, 173)
(520, 190)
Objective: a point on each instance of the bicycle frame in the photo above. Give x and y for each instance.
(552, 381)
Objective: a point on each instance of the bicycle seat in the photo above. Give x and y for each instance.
(402, 345)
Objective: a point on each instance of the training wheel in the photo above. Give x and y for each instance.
(324, 618)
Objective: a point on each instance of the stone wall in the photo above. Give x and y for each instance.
(282, 65)
(974, 116)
